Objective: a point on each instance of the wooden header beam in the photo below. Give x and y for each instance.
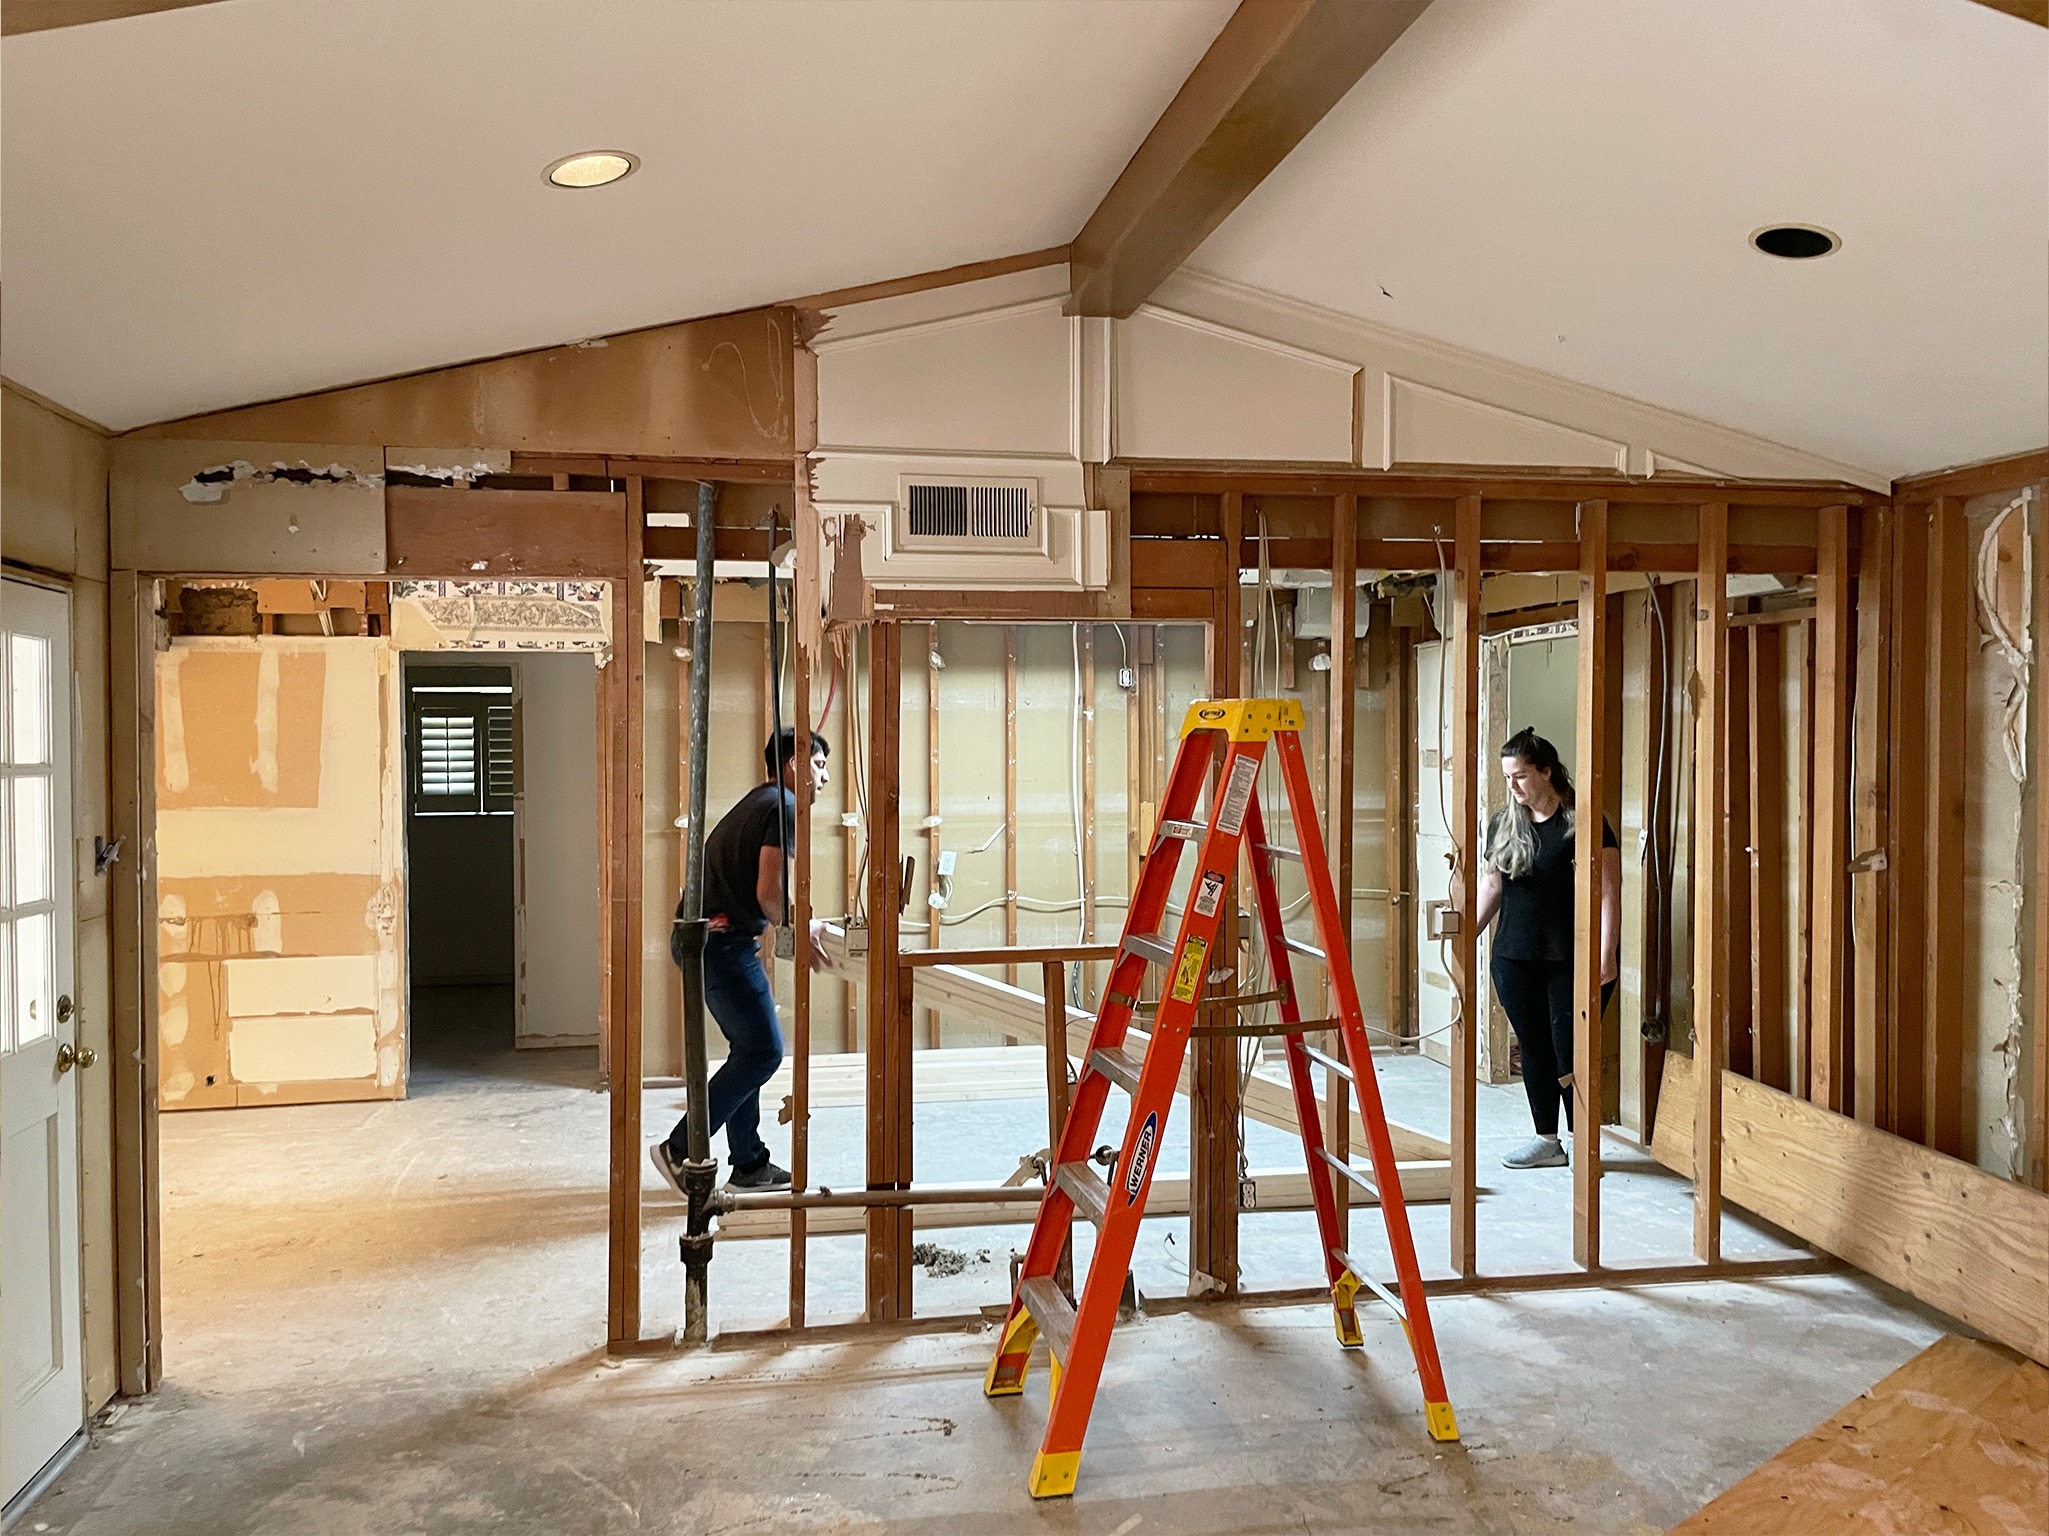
(1269, 77)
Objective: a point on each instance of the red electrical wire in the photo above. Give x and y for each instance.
(831, 692)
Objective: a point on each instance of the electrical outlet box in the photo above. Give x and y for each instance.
(946, 858)
(785, 942)
(1444, 920)
(857, 939)
(1127, 678)
(1248, 1194)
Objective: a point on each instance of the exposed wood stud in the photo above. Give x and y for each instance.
(1829, 816)
(624, 858)
(1767, 863)
(1010, 794)
(889, 996)
(1710, 863)
(935, 834)
(1951, 635)
(1462, 655)
(1213, 1118)
(1736, 802)
(1342, 713)
(1871, 805)
(1906, 842)
(1589, 954)
(804, 609)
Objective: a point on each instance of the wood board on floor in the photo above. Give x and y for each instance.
(1963, 1240)
(1953, 1443)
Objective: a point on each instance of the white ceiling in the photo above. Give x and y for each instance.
(1571, 185)
(251, 199)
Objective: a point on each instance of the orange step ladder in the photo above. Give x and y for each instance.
(1078, 1336)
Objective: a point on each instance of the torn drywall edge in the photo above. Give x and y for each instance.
(212, 483)
(2008, 627)
(448, 466)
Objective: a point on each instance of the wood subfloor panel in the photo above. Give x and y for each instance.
(1953, 1443)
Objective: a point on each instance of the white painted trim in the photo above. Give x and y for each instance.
(1197, 282)
(1453, 397)
(1246, 338)
(824, 346)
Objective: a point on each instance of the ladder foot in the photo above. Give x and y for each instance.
(1344, 1312)
(1053, 1474)
(1006, 1377)
(1443, 1423)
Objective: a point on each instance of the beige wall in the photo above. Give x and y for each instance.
(53, 518)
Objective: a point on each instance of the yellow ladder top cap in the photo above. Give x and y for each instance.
(1243, 719)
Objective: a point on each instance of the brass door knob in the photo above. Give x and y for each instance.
(69, 1056)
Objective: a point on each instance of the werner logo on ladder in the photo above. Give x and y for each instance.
(1078, 1337)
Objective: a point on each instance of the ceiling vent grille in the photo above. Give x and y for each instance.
(957, 510)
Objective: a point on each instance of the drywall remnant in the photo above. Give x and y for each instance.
(446, 466)
(2005, 580)
(211, 484)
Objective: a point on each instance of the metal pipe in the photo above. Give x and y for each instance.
(700, 1173)
(730, 1200)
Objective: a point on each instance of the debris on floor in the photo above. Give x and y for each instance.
(946, 1261)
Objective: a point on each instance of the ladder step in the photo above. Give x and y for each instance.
(1150, 946)
(1276, 851)
(1328, 1062)
(1296, 946)
(1051, 1311)
(1348, 1171)
(1394, 1302)
(1085, 1187)
(1248, 1031)
(1120, 1064)
(1186, 831)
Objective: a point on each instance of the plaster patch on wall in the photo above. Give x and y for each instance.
(213, 483)
(264, 765)
(2005, 577)
(290, 1049)
(269, 935)
(171, 721)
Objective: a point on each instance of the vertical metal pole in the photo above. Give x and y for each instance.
(699, 1172)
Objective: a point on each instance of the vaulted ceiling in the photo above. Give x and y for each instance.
(244, 200)
(247, 199)
(1572, 184)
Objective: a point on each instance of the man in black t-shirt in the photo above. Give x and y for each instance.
(744, 863)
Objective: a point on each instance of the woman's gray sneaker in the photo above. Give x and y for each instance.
(1538, 1152)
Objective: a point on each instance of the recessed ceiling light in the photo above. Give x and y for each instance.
(591, 168)
(1795, 242)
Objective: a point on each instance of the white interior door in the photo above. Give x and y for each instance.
(42, 1386)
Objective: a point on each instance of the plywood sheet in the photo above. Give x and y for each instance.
(1955, 1441)
(1972, 1244)
(239, 727)
(301, 984)
(289, 1049)
(228, 915)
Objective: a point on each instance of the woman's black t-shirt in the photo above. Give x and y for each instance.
(1535, 919)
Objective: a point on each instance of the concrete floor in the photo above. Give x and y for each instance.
(385, 1318)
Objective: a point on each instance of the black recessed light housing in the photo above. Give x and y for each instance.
(1795, 242)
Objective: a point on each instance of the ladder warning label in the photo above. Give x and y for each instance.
(1188, 972)
(1209, 894)
(1237, 795)
(1141, 1157)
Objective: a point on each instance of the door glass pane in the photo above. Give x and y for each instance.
(28, 668)
(6, 987)
(6, 842)
(31, 835)
(34, 1003)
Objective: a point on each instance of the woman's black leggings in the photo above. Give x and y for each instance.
(1537, 997)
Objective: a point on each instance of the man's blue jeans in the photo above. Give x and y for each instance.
(737, 995)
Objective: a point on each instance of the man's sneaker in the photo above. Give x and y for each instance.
(670, 1170)
(1538, 1152)
(767, 1176)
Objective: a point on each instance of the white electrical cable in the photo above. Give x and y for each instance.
(1074, 756)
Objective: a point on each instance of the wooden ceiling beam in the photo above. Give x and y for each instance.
(48, 15)
(2036, 11)
(1269, 77)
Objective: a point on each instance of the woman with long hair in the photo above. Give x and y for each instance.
(1526, 882)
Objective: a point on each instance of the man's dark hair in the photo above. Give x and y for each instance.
(781, 748)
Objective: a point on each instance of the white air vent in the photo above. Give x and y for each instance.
(963, 516)
(942, 512)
